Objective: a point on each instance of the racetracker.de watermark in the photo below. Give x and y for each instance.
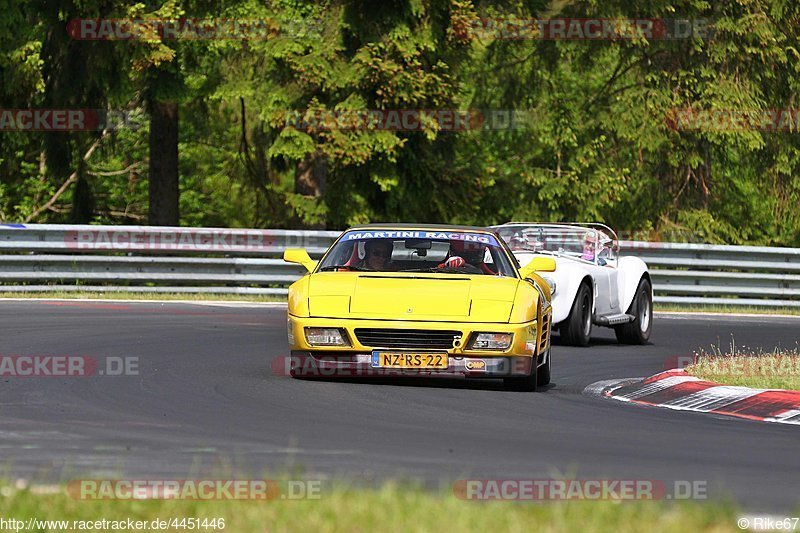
(358, 365)
(650, 238)
(579, 489)
(204, 240)
(66, 366)
(191, 29)
(444, 119)
(768, 365)
(733, 120)
(582, 29)
(68, 120)
(194, 489)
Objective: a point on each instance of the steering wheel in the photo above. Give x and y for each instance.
(466, 268)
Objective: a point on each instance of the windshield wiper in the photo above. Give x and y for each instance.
(345, 267)
(432, 269)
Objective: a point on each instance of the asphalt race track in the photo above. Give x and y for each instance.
(205, 401)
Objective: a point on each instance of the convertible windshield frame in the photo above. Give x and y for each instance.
(562, 240)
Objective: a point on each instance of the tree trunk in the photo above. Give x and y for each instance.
(163, 171)
(82, 201)
(309, 176)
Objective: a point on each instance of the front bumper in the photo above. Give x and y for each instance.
(355, 360)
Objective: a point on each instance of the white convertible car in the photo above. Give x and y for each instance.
(591, 284)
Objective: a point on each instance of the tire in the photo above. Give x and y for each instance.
(543, 372)
(576, 330)
(538, 377)
(638, 331)
(524, 383)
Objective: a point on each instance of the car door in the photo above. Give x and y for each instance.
(606, 278)
(605, 292)
(612, 275)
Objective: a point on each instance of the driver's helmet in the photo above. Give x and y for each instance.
(471, 252)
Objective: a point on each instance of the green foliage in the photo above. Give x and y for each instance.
(594, 139)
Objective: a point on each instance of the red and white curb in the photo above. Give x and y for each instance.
(675, 389)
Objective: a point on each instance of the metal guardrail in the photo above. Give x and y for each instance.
(721, 274)
(48, 257)
(43, 257)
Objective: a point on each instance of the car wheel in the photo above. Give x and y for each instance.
(523, 383)
(638, 331)
(577, 328)
(543, 372)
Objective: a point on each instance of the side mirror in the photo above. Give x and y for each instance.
(538, 264)
(300, 257)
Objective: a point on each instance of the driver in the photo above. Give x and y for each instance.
(377, 254)
(589, 245)
(467, 253)
(590, 239)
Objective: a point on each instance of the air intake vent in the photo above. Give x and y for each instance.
(545, 332)
(414, 339)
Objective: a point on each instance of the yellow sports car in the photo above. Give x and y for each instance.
(411, 300)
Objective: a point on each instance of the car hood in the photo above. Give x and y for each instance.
(424, 297)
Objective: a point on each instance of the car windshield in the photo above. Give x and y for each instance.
(581, 243)
(418, 251)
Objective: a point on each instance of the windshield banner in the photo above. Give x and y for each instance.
(433, 235)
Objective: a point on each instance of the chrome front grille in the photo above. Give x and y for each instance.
(414, 339)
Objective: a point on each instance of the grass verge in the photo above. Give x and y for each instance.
(726, 309)
(779, 369)
(389, 508)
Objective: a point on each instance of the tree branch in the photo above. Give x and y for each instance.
(64, 186)
(130, 167)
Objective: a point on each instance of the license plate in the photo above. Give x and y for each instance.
(408, 360)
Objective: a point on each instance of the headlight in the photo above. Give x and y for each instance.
(490, 341)
(290, 331)
(325, 337)
(552, 283)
